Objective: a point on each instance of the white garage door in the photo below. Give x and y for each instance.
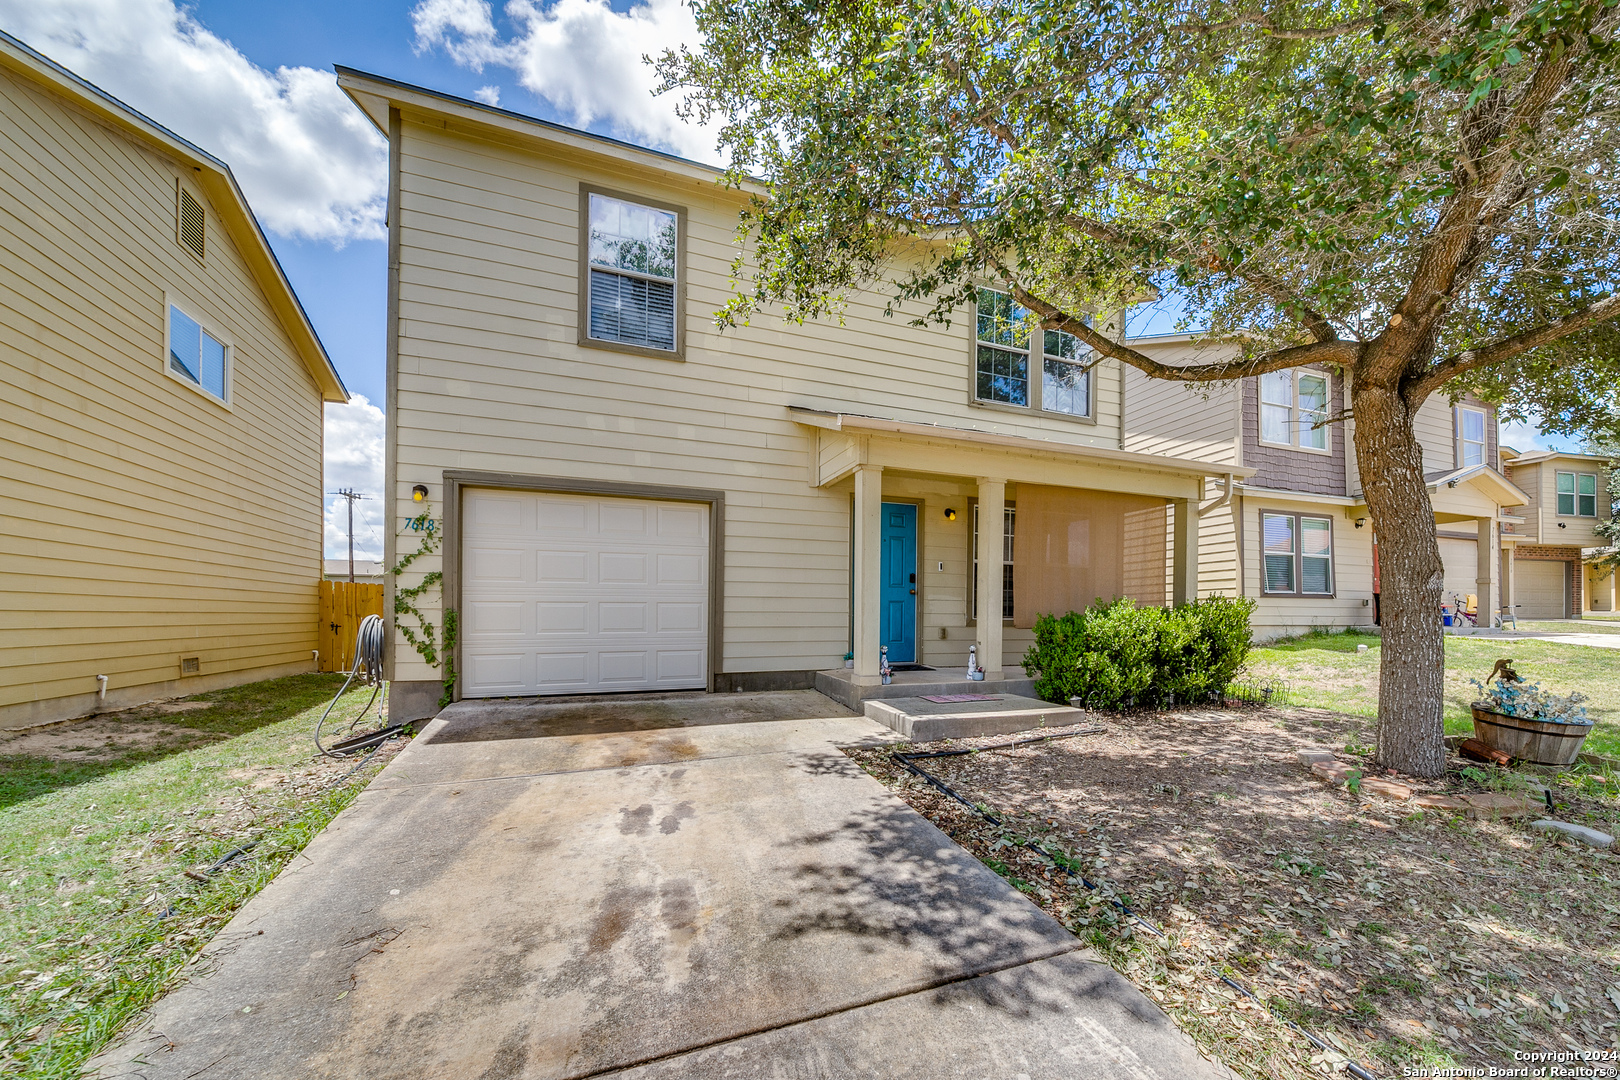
(1542, 585)
(1461, 561)
(567, 594)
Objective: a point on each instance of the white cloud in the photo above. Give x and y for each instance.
(581, 56)
(489, 95)
(354, 459)
(1523, 437)
(310, 164)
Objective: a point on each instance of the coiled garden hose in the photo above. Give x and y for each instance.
(369, 646)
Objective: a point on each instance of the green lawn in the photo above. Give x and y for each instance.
(97, 915)
(1588, 625)
(1325, 671)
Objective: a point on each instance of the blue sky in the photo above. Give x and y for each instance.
(253, 84)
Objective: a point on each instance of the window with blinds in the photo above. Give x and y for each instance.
(632, 268)
(190, 223)
(1297, 555)
(197, 357)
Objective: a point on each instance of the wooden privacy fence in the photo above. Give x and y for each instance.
(343, 605)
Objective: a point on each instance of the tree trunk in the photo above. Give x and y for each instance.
(1412, 663)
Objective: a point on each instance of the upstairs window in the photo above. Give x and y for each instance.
(1470, 437)
(1065, 380)
(196, 356)
(1577, 494)
(1004, 369)
(632, 253)
(1003, 354)
(1293, 409)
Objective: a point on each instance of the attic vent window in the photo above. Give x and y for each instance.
(191, 223)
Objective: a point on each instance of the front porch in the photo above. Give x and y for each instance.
(1077, 522)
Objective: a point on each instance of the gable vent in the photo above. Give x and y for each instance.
(191, 223)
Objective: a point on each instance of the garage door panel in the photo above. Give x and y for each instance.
(618, 598)
(496, 672)
(622, 568)
(562, 566)
(1542, 586)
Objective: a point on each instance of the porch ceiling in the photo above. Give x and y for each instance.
(845, 440)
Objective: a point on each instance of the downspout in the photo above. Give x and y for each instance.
(1226, 497)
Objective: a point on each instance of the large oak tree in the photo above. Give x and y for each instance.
(1423, 196)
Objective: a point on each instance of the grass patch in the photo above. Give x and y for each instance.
(1324, 671)
(98, 827)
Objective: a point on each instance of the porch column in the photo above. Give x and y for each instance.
(992, 511)
(866, 600)
(1485, 568)
(1507, 579)
(1184, 554)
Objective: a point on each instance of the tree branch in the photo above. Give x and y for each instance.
(1318, 352)
(1509, 347)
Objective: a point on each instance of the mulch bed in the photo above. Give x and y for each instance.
(1404, 937)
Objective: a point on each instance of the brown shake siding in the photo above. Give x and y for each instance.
(1285, 469)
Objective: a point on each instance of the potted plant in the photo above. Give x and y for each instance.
(1526, 722)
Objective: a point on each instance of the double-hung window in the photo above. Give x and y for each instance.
(1007, 521)
(1005, 367)
(1470, 437)
(1294, 408)
(1298, 554)
(1065, 379)
(196, 356)
(1577, 494)
(632, 268)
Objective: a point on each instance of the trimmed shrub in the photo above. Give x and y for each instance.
(1117, 655)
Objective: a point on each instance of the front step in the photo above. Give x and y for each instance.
(921, 720)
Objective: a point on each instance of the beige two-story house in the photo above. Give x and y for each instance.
(161, 417)
(1295, 534)
(631, 499)
(1568, 495)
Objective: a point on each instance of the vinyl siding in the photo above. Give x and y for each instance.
(490, 377)
(1190, 420)
(146, 522)
(1351, 604)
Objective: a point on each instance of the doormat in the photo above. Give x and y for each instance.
(907, 665)
(942, 699)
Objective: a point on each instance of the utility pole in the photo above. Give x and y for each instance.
(351, 495)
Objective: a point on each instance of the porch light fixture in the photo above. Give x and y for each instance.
(1360, 522)
(419, 493)
(950, 515)
(1563, 525)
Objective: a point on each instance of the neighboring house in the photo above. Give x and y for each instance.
(1296, 534)
(1568, 496)
(162, 414)
(634, 500)
(369, 571)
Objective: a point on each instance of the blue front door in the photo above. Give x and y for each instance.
(899, 582)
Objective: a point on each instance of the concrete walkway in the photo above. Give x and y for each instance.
(694, 886)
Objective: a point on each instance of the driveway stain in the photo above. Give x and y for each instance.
(635, 822)
(672, 822)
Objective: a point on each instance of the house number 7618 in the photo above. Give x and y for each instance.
(419, 525)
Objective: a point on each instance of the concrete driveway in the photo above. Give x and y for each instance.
(686, 886)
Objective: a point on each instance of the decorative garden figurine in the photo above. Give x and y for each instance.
(883, 665)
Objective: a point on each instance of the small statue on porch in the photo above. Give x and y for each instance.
(883, 664)
(975, 673)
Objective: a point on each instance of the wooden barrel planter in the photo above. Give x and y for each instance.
(1537, 742)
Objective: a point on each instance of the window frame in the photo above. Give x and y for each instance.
(211, 328)
(1294, 413)
(1035, 365)
(1462, 442)
(1298, 592)
(1576, 494)
(583, 276)
(1009, 514)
